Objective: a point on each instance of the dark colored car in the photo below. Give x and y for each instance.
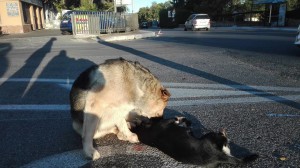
(66, 22)
(144, 25)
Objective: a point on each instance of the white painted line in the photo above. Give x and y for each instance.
(167, 84)
(36, 80)
(182, 93)
(239, 87)
(234, 100)
(178, 90)
(3, 48)
(282, 115)
(172, 103)
(36, 107)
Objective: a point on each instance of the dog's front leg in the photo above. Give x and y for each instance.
(90, 125)
(124, 132)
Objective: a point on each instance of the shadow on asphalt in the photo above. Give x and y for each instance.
(202, 74)
(27, 136)
(236, 43)
(4, 63)
(126, 160)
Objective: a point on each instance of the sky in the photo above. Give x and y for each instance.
(137, 4)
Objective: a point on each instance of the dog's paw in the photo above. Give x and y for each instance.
(121, 136)
(133, 138)
(92, 154)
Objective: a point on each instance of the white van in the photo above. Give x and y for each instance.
(197, 21)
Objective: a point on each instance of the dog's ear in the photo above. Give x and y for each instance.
(165, 94)
(223, 132)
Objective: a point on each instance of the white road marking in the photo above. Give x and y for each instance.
(282, 115)
(24, 107)
(36, 80)
(201, 94)
(234, 100)
(167, 84)
(3, 48)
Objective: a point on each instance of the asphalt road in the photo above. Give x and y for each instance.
(247, 81)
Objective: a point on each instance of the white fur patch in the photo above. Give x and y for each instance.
(140, 93)
(226, 150)
(112, 116)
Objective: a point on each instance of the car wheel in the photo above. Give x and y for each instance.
(193, 28)
(185, 29)
(207, 29)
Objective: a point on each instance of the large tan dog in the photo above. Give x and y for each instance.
(106, 97)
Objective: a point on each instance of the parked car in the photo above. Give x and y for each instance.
(66, 23)
(297, 41)
(144, 25)
(197, 21)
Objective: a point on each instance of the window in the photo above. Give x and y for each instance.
(202, 17)
(26, 14)
(191, 17)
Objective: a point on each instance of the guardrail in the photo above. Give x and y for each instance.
(93, 23)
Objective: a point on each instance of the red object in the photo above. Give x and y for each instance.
(138, 148)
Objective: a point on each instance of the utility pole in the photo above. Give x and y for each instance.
(115, 6)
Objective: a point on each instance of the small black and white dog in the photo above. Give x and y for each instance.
(175, 138)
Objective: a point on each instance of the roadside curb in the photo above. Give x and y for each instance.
(139, 34)
(131, 36)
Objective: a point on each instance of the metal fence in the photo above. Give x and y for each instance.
(93, 23)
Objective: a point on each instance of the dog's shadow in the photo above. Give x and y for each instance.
(199, 130)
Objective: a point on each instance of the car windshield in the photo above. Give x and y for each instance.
(66, 16)
(191, 17)
(202, 17)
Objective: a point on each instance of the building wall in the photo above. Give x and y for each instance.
(12, 17)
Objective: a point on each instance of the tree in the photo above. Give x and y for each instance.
(293, 4)
(106, 5)
(152, 13)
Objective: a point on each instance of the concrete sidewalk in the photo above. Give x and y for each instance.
(102, 37)
(139, 34)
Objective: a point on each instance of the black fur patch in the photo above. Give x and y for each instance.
(177, 140)
(83, 81)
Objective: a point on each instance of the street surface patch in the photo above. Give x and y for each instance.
(183, 94)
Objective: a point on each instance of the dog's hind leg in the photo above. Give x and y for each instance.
(90, 125)
(77, 127)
